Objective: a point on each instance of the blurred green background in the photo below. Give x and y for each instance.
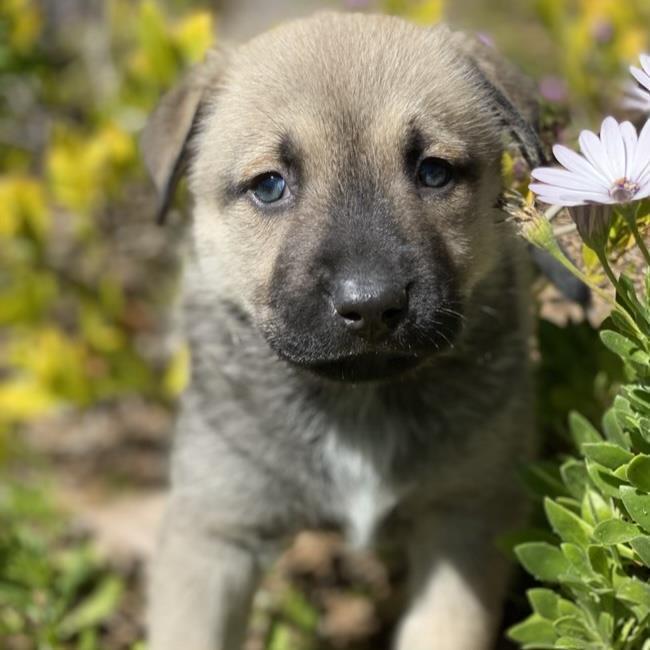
(89, 372)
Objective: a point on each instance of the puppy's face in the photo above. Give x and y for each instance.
(345, 171)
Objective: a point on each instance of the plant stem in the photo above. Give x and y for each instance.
(639, 240)
(604, 262)
(630, 212)
(553, 248)
(622, 303)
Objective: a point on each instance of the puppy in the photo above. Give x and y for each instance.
(357, 309)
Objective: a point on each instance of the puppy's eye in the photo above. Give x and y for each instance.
(435, 172)
(269, 187)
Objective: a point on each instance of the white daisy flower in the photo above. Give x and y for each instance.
(642, 75)
(637, 93)
(636, 98)
(614, 168)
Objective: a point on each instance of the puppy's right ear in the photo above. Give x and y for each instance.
(513, 97)
(165, 140)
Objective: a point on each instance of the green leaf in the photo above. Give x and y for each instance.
(607, 454)
(621, 323)
(640, 438)
(604, 479)
(639, 397)
(634, 591)
(630, 351)
(623, 410)
(595, 508)
(578, 558)
(606, 626)
(545, 562)
(567, 608)
(534, 630)
(600, 561)
(544, 602)
(613, 430)
(572, 626)
(94, 609)
(571, 643)
(638, 506)
(644, 428)
(566, 524)
(641, 545)
(638, 472)
(627, 290)
(582, 431)
(614, 532)
(621, 472)
(575, 477)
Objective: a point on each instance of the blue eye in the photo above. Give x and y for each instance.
(269, 188)
(435, 172)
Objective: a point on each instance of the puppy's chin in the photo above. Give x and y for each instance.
(362, 367)
(360, 363)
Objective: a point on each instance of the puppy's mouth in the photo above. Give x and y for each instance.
(362, 367)
(350, 359)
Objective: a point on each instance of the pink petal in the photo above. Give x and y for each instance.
(566, 179)
(642, 77)
(578, 164)
(610, 136)
(595, 153)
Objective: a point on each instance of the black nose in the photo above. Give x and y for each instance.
(371, 309)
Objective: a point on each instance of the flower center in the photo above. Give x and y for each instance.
(623, 190)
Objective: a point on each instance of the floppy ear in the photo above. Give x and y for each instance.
(514, 96)
(514, 99)
(167, 135)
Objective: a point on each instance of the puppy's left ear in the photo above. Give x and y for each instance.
(167, 136)
(513, 96)
(514, 100)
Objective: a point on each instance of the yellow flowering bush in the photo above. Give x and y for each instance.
(69, 333)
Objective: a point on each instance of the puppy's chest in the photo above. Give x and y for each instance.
(363, 492)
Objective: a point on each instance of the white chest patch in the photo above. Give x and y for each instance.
(365, 496)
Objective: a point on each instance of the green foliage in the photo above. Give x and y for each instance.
(55, 592)
(599, 567)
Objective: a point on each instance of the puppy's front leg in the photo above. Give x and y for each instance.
(200, 592)
(458, 580)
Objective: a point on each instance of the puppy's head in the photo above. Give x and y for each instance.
(344, 170)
